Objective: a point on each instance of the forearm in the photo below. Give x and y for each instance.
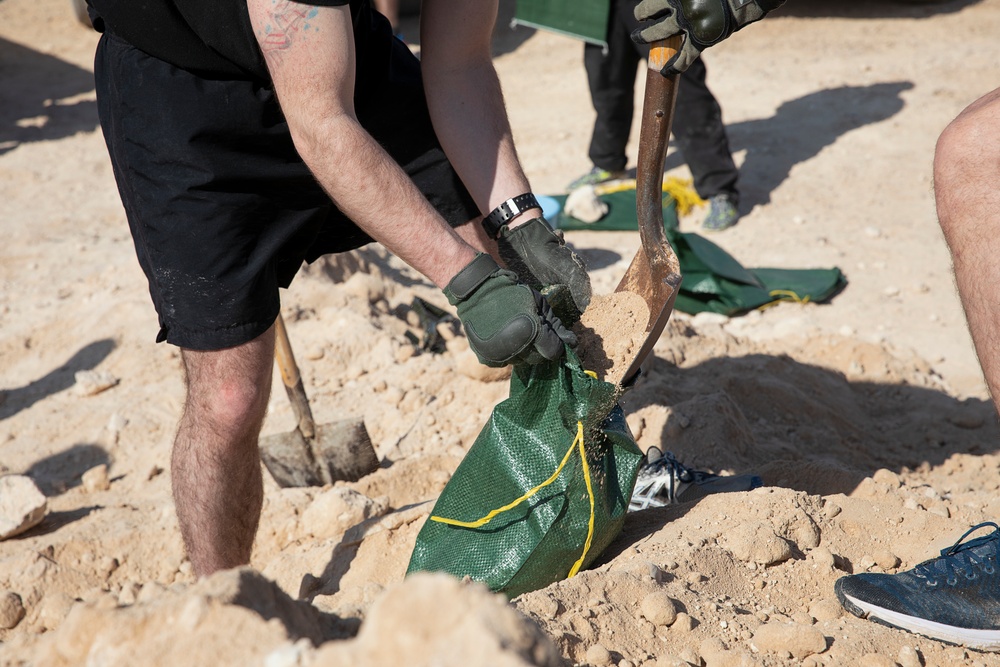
(373, 191)
(469, 116)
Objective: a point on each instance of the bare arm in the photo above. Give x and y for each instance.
(310, 55)
(465, 100)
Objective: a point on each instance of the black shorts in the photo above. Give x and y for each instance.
(221, 207)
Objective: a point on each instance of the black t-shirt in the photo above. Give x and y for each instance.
(212, 38)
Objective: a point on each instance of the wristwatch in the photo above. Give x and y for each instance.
(507, 211)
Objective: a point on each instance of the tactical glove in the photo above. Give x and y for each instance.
(505, 321)
(702, 22)
(540, 257)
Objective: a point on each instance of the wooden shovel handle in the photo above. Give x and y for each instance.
(657, 114)
(292, 379)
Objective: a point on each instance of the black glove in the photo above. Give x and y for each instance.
(703, 23)
(540, 258)
(505, 321)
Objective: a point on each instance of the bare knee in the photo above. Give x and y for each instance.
(967, 162)
(228, 389)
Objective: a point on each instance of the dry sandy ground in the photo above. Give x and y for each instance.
(867, 417)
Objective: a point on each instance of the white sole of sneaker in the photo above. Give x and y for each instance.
(983, 640)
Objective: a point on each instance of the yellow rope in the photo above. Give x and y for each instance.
(678, 189)
(577, 444)
(590, 494)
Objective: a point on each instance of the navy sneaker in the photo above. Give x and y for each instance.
(954, 598)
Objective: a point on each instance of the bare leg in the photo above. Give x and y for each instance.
(967, 186)
(216, 474)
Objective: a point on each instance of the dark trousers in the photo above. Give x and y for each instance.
(697, 126)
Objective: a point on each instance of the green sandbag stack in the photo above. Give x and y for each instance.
(543, 490)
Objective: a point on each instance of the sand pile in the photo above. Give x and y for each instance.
(867, 418)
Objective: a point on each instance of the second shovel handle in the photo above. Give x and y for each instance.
(292, 379)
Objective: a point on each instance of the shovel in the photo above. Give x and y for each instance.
(655, 272)
(313, 455)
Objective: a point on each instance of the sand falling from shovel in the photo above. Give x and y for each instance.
(610, 334)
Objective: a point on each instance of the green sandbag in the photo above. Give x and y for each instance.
(526, 508)
(713, 280)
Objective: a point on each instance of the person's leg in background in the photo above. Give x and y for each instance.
(954, 597)
(611, 79)
(966, 174)
(702, 140)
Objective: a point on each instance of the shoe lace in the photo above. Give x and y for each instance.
(963, 559)
(662, 478)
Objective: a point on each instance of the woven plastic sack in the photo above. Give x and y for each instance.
(543, 490)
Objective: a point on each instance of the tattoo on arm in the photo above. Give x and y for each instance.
(289, 22)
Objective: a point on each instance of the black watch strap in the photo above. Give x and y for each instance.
(506, 211)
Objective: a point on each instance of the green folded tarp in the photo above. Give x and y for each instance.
(581, 19)
(713, 281)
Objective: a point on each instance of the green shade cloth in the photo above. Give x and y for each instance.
(556, 530)
(713, 281)
(582, 19)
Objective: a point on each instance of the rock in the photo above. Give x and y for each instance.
(96, 479)
(909, 657)
(22, 505)
(801, 641)
(598, 656)
(658, 608)
(435, 619)
(91, 383)
(11, 610)
(877, 660)
(183, 626)
(758, 543)
(684, 623)
(885, 559)
(826, 610)
(336, 510)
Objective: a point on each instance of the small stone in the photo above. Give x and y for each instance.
(694, 577)
(315, 353)
(802, 618)
(683, 623)
(941, 510)
(690, 656)
(826, 610)
(801, 641)
(885, 559)
(91, 383)
(909, 657)
(11, 610)
(823, 557)
(887, 477)
(757, 542)
(22, 505)
(598, 656)
(96, 479)
(877, 660)
(658, 608)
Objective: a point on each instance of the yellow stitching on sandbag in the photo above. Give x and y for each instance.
(590, 494)
(577, 443)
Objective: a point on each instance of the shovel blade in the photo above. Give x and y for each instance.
(340, 451)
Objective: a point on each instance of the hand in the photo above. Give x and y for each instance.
(540, 258)
(703, 23)
(505, 321)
